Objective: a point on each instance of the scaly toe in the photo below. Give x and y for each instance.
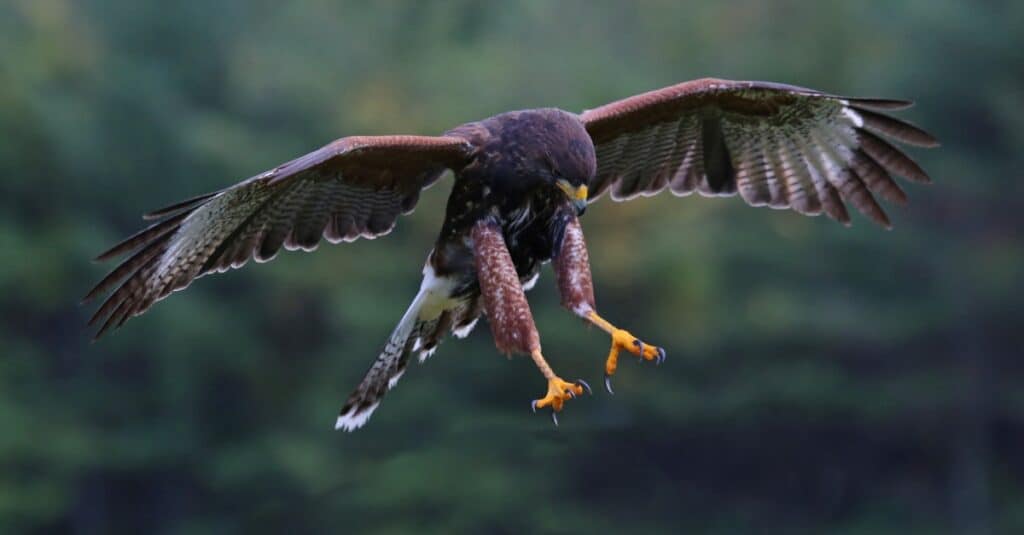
(625, 340)
(559, 392)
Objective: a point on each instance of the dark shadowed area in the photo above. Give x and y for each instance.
(819, 379)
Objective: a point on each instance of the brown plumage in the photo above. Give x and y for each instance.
(572, 271)
(355, 187)
(504, 301)
(776, 145)
(521, 181)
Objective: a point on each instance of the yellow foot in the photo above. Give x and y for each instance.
(624, 340)
(559, 392)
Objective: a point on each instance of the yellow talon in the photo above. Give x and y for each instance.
(624, 340)
(559, 392)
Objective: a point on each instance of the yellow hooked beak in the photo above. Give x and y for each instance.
(578, 196)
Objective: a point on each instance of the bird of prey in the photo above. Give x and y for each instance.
(522, 179)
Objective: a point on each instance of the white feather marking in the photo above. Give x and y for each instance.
(405, 326)
(260, 260)
(436, 292)
(354, 418)
(531, 282)
(852, 115)
(292, 246)
(426, 354)
(464, 331)
(582, 310)
(394, 379)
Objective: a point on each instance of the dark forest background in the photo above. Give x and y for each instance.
(820, 379)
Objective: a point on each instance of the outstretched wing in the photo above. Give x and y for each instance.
(354, 187)
(776, 145)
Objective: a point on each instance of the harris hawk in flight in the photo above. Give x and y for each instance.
(522, 180)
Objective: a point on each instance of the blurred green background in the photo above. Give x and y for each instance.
(820, 379)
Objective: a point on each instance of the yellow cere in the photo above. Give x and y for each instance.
(576, 194)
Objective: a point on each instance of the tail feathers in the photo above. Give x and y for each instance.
(412, 335)
(382, 375)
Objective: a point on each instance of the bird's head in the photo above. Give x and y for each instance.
(544, 149)
(572, 180)
(568, 161)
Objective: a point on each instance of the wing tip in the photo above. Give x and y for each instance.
(94, 319)
(873, 103)
(881, 123)
(106, 255)
(178, 207)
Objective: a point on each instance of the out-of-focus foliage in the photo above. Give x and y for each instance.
(820, 378)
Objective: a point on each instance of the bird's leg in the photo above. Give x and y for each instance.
(622, 340)
(572, 268)
(509, 313)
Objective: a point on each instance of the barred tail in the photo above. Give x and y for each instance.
(385, 372)
(430, 316)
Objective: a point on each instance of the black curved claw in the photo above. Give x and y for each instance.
(661, 355)
(572, 395)
(608, 384)
(640, 345)
(533, 405)
(554, 418)
(585, 386)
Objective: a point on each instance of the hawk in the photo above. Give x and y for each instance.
(522, 180)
